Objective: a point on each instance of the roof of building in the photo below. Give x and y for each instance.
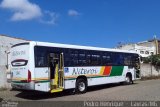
(151, 40)
(12, 37)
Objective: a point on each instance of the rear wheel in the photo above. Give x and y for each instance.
(81, 86)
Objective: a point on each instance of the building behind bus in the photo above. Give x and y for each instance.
(5, 44)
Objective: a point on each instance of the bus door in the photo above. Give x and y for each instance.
(137, 67)
(56, 72)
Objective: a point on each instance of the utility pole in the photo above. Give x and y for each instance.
(156, 44)
(151, 64)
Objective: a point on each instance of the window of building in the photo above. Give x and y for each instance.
(141, 52)
(147, 52)
(152, 53)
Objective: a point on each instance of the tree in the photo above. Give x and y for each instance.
(153, 59)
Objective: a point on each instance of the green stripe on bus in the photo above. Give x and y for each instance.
(17, 82)
(70, 79)
(98, 77)
(35, 81)
(117, 70)
(87, 77)
(42, 81)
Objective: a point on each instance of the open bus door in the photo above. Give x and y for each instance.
(56, 72)
(137, 67)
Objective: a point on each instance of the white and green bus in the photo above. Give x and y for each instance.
(53, 67)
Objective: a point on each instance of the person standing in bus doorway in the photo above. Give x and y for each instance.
(53, 65)
(52, 68)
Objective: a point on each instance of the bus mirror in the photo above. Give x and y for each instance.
(6, 66)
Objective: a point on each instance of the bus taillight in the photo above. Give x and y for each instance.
(29, 76)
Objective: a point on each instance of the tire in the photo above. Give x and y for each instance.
(128, 80)
(81, 86)
(1, 99)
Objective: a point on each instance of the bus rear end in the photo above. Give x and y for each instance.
(20, 72)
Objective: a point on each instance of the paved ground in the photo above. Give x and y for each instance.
(140, 91)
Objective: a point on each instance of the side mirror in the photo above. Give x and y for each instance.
(6, 66)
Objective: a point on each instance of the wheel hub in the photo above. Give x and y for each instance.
(81, 86)
(127, 79)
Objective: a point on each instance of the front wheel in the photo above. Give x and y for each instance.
(128, 80)
(81, 86)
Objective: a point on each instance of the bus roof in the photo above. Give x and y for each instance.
(80, 47)
(48, 44)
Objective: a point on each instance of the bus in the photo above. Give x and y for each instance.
(54, 67)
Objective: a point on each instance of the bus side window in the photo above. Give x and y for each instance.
(88, 59)
(95, 59)
(106, 59)
(41, 59)
(67, 60)
(129, 60)
(82, 58)
(116, 59)
(121, 59)
(74, 57)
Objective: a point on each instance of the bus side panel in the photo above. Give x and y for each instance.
(69, 84)
(95, 81)
(31, 64)
(42, 87)
(112, 79)
(104, 80)
(42, 80)
(129, 70)
(104, 75)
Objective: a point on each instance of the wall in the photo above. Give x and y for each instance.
(148, 70)
(5, 45)
(3, 78)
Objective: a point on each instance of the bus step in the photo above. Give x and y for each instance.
(56, 90)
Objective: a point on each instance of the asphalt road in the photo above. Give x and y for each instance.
(148, 90)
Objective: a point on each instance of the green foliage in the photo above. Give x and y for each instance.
(147, 60)
(154, 59)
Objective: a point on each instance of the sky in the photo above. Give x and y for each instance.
(100, 23)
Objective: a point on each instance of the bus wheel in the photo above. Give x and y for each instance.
(81, 86)
(128, 80)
